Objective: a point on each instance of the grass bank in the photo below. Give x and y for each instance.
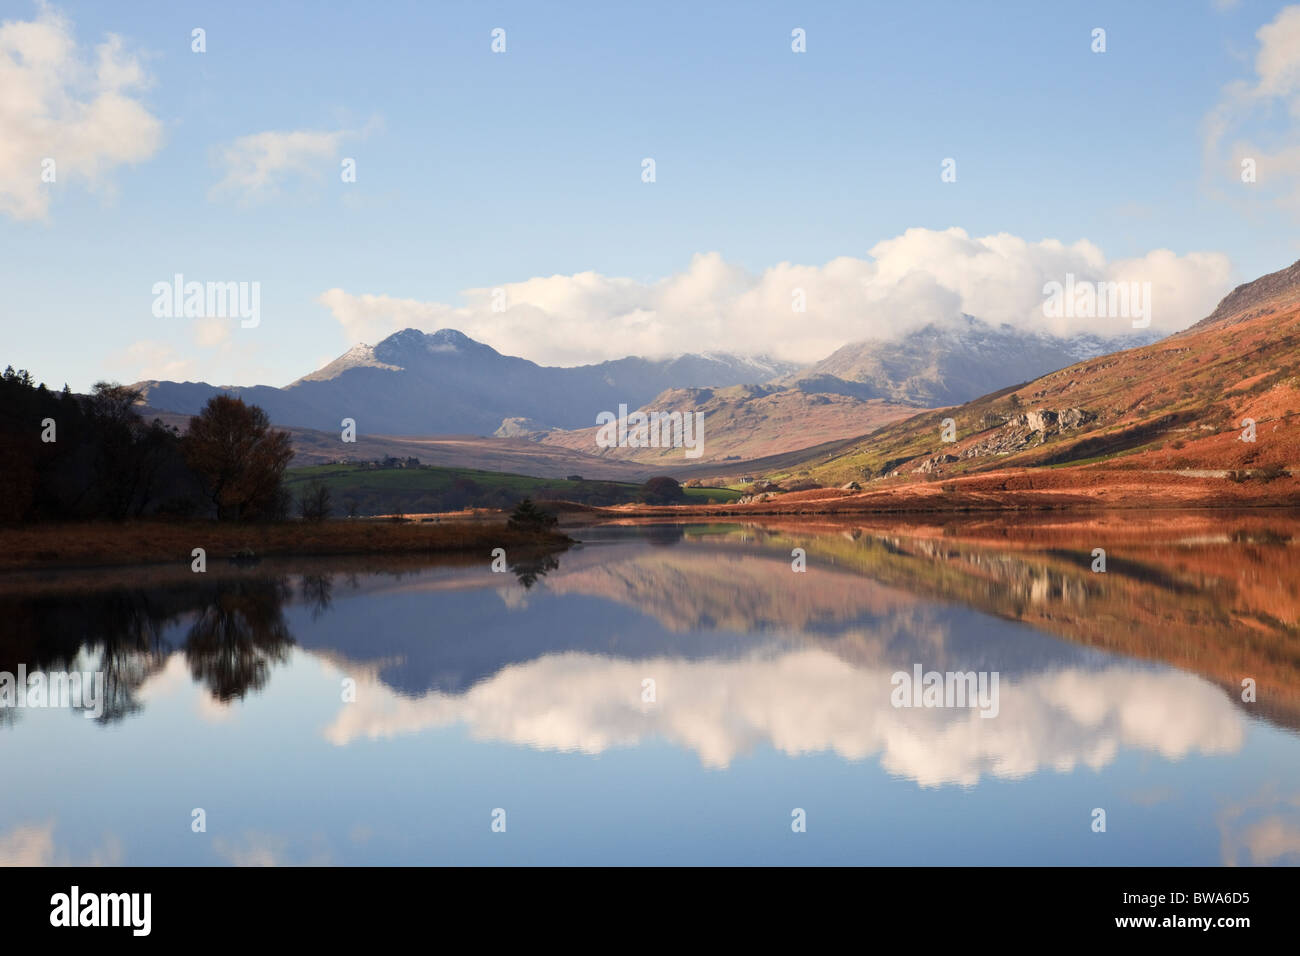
(94, 544)
(429, 489)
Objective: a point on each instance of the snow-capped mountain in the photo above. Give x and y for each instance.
(946, 365)
(417, 383)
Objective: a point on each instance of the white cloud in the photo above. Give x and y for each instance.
(260, 849)
(218, 354)
(29, 844)
(257, 165)
(213, 331)
(150, 359)
(906, 282)
(812, 701)
(1278, 60)
(1255, 118)
(57, 103)
(32, 844)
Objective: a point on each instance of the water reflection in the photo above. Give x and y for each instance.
(800, 702)
(529, 569)
(746, 652)
(236, 637)
(772, 689)
(233, 632)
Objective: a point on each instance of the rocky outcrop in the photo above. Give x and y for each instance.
(932, 464)
(1046, 422)
(756, 498)
(1016, 433)
(521, 428)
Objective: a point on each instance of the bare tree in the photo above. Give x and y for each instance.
(314, 502)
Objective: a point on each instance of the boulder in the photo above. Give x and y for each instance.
(1075, 417)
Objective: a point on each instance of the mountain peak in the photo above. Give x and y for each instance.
(449, 337)
(409, 342)
(359, 356)
(1250, 299)
(406, 338)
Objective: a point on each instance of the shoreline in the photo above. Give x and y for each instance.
(1005, 495)
(75, 546)
(1011, 492)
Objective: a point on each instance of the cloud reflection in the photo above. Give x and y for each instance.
(809, 700)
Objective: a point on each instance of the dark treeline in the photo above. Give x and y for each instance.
(77, 457)
(376, 499)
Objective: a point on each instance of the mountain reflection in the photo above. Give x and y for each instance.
(745, 651)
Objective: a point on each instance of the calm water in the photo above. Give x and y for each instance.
(527, 691)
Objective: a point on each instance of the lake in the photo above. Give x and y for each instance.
(965, 691)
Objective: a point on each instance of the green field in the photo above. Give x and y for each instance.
(430, 489)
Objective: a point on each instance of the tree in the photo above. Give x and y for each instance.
(130, 455)
(101, 461)
(314, 502)
(662, 490)
(528, 517)
(240, 459)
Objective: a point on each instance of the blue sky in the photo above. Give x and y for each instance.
(478, 170)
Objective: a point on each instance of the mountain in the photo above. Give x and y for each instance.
(1268, 293)
(741, 422)
(413, 383)
(1173, 413)
(947, 365)
(445, 383)
(859, 387)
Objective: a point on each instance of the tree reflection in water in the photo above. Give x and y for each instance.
(238, 632)
(235, 638)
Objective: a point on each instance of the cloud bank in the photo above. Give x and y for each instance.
(906, 282)
(811, 701)
(66, 116)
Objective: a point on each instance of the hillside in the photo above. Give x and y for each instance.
(856, 389)
(1173, 407)
(746, 422)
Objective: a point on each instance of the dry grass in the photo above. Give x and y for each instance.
(142, 542)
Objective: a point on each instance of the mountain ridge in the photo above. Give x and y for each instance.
(444, 382)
